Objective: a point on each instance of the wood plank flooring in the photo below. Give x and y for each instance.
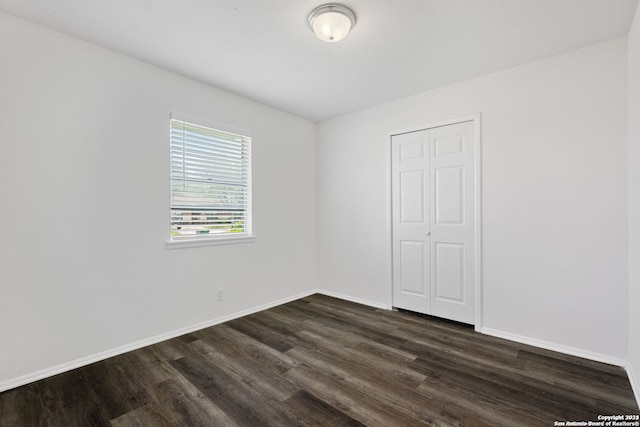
(321, 361)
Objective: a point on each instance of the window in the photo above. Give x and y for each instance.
(210, 184)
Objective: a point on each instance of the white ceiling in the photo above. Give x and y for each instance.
(264, 50)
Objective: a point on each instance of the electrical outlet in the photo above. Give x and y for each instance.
(220, 295)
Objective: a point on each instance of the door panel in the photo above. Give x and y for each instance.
(448, 145)
(448, 195)
(412, 150)
(449, 272)
(413, 201)
(412, 268)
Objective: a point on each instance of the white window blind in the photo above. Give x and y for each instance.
(210, 182)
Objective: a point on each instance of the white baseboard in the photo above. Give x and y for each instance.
(635, 385)
(338, 295)
(585, 354)
(83, 361)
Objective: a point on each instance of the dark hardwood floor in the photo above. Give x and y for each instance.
(320, 361)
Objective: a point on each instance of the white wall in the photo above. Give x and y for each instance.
(634, 203)
(84, 185)
(554, 197)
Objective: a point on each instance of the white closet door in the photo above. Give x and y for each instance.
(452, 227)
(410, 190)
(433, 221)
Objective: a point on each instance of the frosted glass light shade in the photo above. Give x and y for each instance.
(331, 22)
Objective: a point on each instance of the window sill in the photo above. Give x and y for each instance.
(216, 241)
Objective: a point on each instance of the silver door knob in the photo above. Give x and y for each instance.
(428, 233)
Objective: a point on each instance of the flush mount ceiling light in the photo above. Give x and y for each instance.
(331, 22)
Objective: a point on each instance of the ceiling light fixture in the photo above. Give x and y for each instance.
(331, 22)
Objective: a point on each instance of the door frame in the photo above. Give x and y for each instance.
(477, 262)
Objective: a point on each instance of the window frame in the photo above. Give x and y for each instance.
(226, 238)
